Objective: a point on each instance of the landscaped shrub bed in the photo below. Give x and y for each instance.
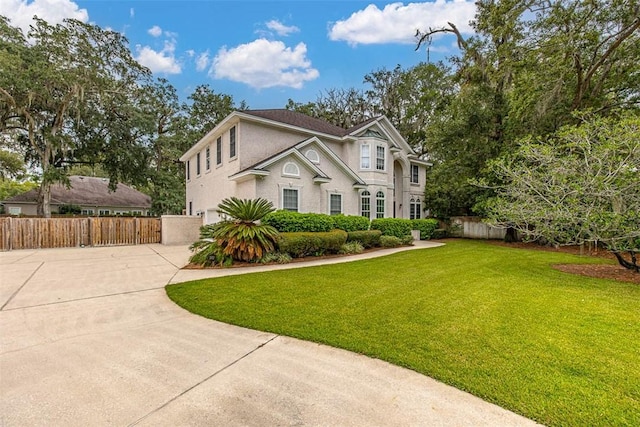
(292, 222)
(398, 227)
(427, 227)
(301, 244)
(368, 238)
(351, 222)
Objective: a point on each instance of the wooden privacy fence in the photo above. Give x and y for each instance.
(38, 233)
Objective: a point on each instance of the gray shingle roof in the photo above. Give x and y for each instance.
(89, 191)
(294, 118)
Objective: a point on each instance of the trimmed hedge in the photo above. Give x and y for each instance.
(300, 244)
(293, 222)
(368, 238)
(390, 241)
(351, 222)
(427, 227)
(398, 227)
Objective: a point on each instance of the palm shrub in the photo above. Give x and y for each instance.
(242, 236)
(207, 251)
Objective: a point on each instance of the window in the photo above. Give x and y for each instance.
(219, 151)
(414, 208)
(188, 170)
(380, 158)
(198, 164)
(313, 156)
(207, 158)
(290, 169)
(365, 157)
(103, 212)
(15, 210)
(87, 211)
(232, 142)
(365, 204)
(335, 204)
(414, 174)
(379, 204)
(290, 199)
(190, 208)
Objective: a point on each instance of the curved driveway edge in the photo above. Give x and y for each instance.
(89, 337)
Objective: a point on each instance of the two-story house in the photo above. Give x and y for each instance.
(304, 164)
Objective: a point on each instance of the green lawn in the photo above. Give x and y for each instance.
(497, 322)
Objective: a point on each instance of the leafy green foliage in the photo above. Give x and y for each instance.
(368, 238)
(390, 241)
(241, 236)
(580, 185)
(426, 226)
(301, 244)
(207, 252)
(10, 188)
(398, 227)
(350, 248)
(288, 221)
(276, 257)
(351, 222)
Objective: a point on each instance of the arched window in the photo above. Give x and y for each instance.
(379, 204)
(415, 208)
(365, 204)
(290, 169)
(313, 156)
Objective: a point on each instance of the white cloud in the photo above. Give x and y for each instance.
(263, 63)
(280, 28)
(155, 31)
(202, 62)
(397, 23)
(132, 12)
(21, 12)
(191, 53)
(163, 61)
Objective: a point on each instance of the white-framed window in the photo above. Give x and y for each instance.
(207, 158)
(232, 142)
(335, 204)
(102, 212)
(365, 204)
(15, 210)
(380, 157)
(313, 156)
(365, 156)
(415, 208)
(290, 169)
(188, 168)
(379, 204)
(136, 213)
(87, 212)
(198, 164)
(219, 151)
(415, 174)
(290, 199)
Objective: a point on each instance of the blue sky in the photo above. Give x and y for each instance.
(263, 52)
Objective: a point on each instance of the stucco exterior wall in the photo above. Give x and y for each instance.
(180, 229)
(260, 142)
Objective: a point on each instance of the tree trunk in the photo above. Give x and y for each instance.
(44, 199)
(631, 265)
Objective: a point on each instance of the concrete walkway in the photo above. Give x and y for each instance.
(89, 338)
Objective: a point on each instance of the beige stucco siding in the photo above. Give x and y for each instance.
(257, 143)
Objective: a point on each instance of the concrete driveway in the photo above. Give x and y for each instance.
(89, 338)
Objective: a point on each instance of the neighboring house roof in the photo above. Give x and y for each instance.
(88, 191)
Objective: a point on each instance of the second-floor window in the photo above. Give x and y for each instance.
(198, 164)
(415, 171)
(232, 142)
(365, 157)
(207, 158)
(188, 167)
(219, 151)
(380, 158)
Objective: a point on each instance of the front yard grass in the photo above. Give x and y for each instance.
(498, 322)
